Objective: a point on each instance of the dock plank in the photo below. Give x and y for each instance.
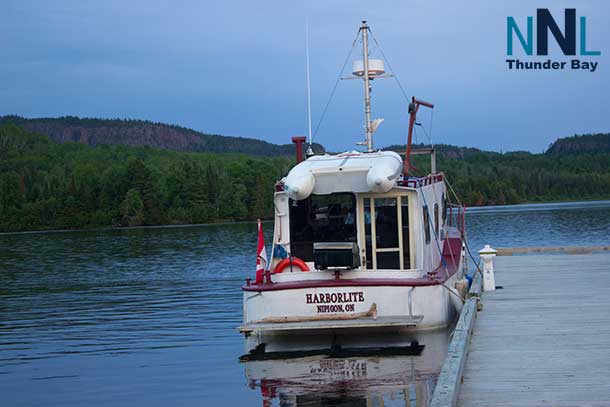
(545, 338)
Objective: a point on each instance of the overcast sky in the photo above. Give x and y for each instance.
(238, 68)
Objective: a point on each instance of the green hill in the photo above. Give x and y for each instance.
(49, 185)
(446, 150)
(488, 178)
(584, 144)
(139, 133)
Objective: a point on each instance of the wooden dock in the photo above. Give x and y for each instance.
(544, 339)
(509, 251)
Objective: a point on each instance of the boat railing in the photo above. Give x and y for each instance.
(456, 216)
(416, 182)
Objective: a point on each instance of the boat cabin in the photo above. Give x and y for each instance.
(401, 229)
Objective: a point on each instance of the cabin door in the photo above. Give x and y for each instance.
(385, 222)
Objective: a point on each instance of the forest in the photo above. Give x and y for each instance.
(49, 185)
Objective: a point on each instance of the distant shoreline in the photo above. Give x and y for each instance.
(472, 209)
(533, 203)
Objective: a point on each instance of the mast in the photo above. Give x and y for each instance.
(367, 89)
(368, 70)
(309, 149)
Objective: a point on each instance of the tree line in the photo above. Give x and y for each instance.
(489, 178)
(47, 185)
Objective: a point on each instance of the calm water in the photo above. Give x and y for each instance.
(148, 317)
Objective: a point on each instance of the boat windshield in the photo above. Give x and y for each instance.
(321, 218)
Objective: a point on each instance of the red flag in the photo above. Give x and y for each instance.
(261, 255)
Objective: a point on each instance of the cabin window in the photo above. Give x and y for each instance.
(368, 233)
(321, 218)
(426, 224)
(386, 233)
(386, 227)
(444, 210)
(436, 220)
(405, 233)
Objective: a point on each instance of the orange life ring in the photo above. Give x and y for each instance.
(286, 263)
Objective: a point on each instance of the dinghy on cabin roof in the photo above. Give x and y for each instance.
(359, 244)
(352, 171)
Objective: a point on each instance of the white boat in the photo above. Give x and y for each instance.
(359, 243)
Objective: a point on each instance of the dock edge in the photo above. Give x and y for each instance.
(450, 378)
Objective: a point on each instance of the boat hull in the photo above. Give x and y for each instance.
(391, 305)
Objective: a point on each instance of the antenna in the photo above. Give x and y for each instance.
(309, 150)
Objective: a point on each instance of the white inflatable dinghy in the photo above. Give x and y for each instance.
(347, 172)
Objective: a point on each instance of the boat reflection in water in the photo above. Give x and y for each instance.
(379, 370)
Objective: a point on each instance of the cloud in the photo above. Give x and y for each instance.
(237, 68)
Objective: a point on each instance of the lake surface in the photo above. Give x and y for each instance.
(148, 316)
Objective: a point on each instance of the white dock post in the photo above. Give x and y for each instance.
(487, 253)
(464, 259)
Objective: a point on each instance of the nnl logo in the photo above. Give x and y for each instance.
(545, 23)
(566, 40)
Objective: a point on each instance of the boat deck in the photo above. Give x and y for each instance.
(368, 322)
(545, 338)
